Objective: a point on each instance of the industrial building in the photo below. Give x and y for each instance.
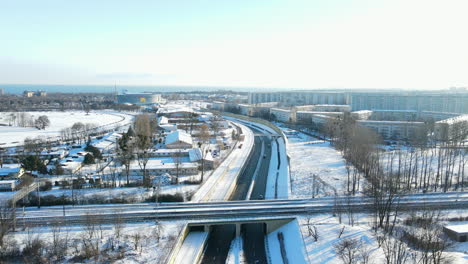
(139, 98)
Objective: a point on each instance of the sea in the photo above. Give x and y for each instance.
(20, 88)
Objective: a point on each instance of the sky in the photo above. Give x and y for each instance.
(309, 44)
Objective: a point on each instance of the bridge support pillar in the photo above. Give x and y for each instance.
(206, 228)
(238, 229)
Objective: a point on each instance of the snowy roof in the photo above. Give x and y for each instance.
(169, 127)
(167, 109)
(9, 181)
(319, 113)
(453, 120)
(179, 135)
(196, 155)
(10, 168)
(205, 117)
(390, 122)
(280, 110)
(183, 151)
(163, 120)
(165, 163)
(458, 228)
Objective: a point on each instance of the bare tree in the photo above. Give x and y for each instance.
(395, 251)
(125, 153)
(347, 250)
(7, 221)
(177, 158)
(215, 124)
(143, 143)
(42, 122)
(60, 242)
(89, 237)
(118, 225)
(203, 145)
(312, 229)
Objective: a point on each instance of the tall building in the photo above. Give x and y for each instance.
(139, 98)
(438, 101)
(299, 98)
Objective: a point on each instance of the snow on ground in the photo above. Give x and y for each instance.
(278, 180)
(236, 252)
(6, 195)
(149, 251)
(309, 156)
(286, 243)
(328, 227)
(136, 194)
(192, 248)
(422, 161)
(58, 121)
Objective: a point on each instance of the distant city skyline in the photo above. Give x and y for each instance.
(275, 44)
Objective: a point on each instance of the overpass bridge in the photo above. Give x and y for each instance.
(231, 209)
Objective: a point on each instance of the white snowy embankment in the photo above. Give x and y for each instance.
(192, 248)
(311, 156)
(236, 252)
(286, 243)
(278, 186)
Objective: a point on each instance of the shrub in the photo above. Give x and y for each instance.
(166, 198)
(95, 151)
(88, 159)
(46, 187)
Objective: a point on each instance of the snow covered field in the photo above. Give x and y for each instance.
(329, 229)
(146, 249)
(11, 135)
(309, 156)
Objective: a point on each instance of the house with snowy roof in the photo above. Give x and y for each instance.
(162, 120)
(195, 155)
(178, 140)
(11, 171)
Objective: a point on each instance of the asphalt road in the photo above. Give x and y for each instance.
(220, 237)
(219, 242)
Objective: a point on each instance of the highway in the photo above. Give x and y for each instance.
(221, 236)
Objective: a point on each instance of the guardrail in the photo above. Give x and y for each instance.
(238, 210)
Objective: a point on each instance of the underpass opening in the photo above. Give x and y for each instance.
(220, 239)
(197, 228)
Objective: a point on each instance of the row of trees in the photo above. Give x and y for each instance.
(93, 243)
(422, 165)
(23, 119)
(78, 131)
(388, 176)
(138, 142)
